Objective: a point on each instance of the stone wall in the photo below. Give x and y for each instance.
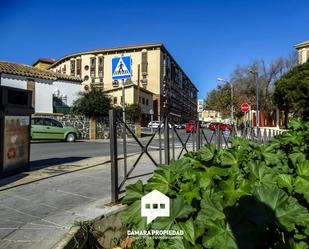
(109, 231)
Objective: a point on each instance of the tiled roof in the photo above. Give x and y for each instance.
(45, 60)
(29, 71)
(303, 44)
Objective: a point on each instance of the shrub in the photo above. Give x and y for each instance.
(249, 196)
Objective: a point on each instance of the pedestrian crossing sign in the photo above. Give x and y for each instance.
(121, 67)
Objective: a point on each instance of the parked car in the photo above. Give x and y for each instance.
(178, 126)
(213, 126)
(190, 126)
(155, 125)
(48, 128)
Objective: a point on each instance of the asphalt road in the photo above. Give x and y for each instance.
(50, 153)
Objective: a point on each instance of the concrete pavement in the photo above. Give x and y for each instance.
(38, 207)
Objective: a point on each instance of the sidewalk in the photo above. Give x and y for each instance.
(37, 208)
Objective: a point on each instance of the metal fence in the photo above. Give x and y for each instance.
(171, 145)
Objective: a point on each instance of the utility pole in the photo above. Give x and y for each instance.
(255, 73)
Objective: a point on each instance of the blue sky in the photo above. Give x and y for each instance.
(207, 38)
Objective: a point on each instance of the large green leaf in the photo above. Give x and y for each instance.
(190, 191)
(302, 186)
(219, 236)
(260, 174)
(211, 208)
(189, 230)
(296, 158)
(303, 168)
(206, 153)
(287, 210)
(132, 217)
(180, 166)
(300, 245)
(285, 181)
(176, 243)
(228, 158)
(232, 193)
(133, 192)
(162, 180)
(179, 209)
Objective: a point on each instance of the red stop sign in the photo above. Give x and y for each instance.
(244, 107)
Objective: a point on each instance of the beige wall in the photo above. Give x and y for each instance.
(182, 102)
(303, 55)
(153, 68)
(131, 96)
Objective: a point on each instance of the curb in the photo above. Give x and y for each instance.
(77, 237)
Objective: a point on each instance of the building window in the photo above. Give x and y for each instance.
(92, 67)
(144, 62)
(115, 100)
(143, 101)
(147, 102)
(64, 69)
(86, 78)
(101, 80)
(78, 67)
(101, 66)
(86, 68)
(72, 67)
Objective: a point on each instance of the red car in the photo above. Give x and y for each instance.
(222, 126)
(190, 126)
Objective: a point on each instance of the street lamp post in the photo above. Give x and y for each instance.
(232, 97)
(151, 119)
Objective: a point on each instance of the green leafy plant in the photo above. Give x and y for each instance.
(249, 196)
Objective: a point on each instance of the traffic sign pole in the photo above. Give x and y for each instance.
(124, 128)
(121, 69)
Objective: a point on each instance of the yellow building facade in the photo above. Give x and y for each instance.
(303, 51)
(157, 68)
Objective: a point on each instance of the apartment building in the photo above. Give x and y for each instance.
(200, 108)
(303, 51)
(153, 69)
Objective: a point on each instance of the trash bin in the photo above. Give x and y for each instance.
(15, 122)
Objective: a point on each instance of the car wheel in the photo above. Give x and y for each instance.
(71, 137)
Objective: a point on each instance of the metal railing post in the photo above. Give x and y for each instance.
(218, 137)
(198, 136)
(166, 140)
(114, 155)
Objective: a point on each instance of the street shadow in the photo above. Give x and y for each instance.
(37, 165)
(53, 141)
(255, 225)
(11, 178)
(40, 164)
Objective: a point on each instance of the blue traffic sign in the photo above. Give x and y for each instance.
(121, 67)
